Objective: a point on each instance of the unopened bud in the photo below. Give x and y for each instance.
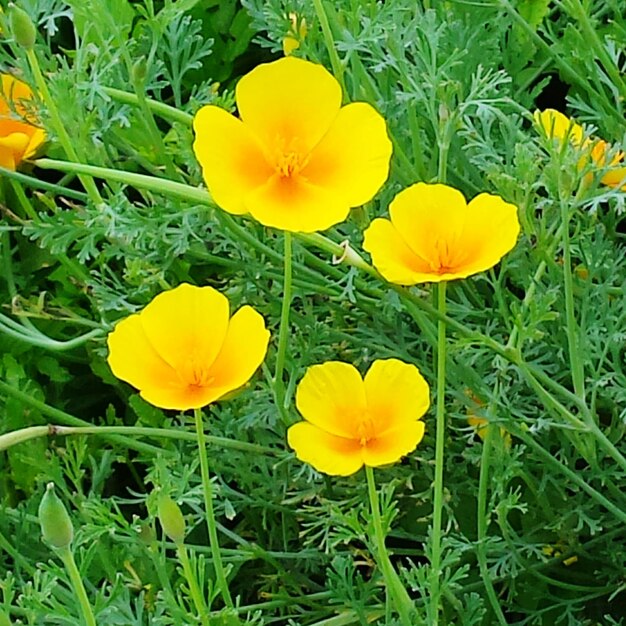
(171, 518)
(139, 71)
(22, 27)
(56, 525)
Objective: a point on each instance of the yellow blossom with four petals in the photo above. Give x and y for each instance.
(353, 421)
(20, 137)
(435, 235)
(295, 159)
(184, 350)
(557, 125)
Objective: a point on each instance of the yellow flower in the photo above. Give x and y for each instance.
(19, 137)
(434, 235)
(351, 421)
(296, 160)
(183, 351)
(558, 126)
(296, 34)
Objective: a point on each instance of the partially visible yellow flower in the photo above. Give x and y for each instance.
(296, 34)
(480, 423)
(435, 235)
(556, 125)
(184, 351)
(19, 136)
(351, 421)
(296, 160)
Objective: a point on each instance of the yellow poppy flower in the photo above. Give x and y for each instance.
(556, 125)
(351, 421)
(434, 235)
(297, 33)
(296, 160)
(183, 351)
(19, 137)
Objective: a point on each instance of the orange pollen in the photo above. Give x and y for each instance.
(365, 430)
(290, 163)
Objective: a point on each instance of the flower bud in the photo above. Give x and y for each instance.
(139, 71)
(171, 518)
(56, 526)
(22, 27)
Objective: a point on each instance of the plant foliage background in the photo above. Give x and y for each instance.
(457, 83)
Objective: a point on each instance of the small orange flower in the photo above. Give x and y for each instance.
(19, 137)
(296, 160)
(183, 351)
(434, 235)
(556, 125)
(351, 421)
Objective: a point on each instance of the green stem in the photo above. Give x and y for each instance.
(58, 190)
(77, 583)
(440, 420)
(283, 333)
(575, 355)
(140, 181)
(403, 603)
(482, 521)
(190, 576)
(207, 489)
(162, 110)
(64, 138)
(330, 43)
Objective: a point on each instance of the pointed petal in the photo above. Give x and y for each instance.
(327, 453)
(289, 102)
(233, 163)
(392, 446)
(242, 352)
(396, 394)
(187, 326)
(352, 159)
(332, 397)
(293, 204)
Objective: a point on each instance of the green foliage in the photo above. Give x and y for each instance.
(457, 83)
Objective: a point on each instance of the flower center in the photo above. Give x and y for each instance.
(193, 372)
(443, 261)
(366, 430)
(289, 158)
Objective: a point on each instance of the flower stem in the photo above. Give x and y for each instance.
(403, 603)
(207, 489)
(482, 516)
(330, 43)
(77, 583)
(439, 456)
(283, 334)
(575, 356)
(64, 138)
(192, 581)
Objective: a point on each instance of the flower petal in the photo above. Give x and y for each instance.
(392, 257)
(180, 397)
(557, 125)
(187, 326)
(491, 230)
(352, 159)
(393, 445)
(37, 137)
(133, 359)
(327, 453)
(615, 178)
(331, 396)
(242, 352)
(233, 163)
(289, 103)
(396, 394)
(293, 204)
(430, 218)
